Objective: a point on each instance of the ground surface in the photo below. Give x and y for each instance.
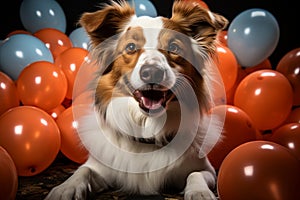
(37, 187)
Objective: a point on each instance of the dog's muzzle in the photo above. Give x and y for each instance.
(153, 95)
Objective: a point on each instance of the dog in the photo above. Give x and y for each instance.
(149, 129)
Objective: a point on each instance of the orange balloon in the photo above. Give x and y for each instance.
(294, 116)
(237, 129)
(55, 40)
(9, 176)
(18, 32)
(259, 170)
(266, 96)
(85, 75)
(199, 2)
(8, 93)
(227, 65)
(55, 112)
(70, 62)
(217, 89)
(222, 37)
(289, 65)
(288, 135)
(230, 93)
(84, 98)
(71, 145)
(42, 84)
(31, 137)
(203, 4)
(266, 64)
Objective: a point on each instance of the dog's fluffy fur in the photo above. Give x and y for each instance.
(149, 130)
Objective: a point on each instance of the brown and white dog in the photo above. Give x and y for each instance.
(149, 130)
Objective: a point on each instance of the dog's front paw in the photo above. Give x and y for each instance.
(199, 195)
(75, 187)
(68, 191)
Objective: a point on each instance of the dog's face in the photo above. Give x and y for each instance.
(152, 60)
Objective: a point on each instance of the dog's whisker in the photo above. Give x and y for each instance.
(182, 83)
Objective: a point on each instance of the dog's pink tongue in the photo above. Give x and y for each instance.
(151, 104)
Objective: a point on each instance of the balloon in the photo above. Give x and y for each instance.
(266, 64)
(31, 137)
(294, 116)
(289, 65)
(253, 36)
(259, 170)
(18, 51)
(266, 96)
(36, 15)
(42, 84)
(85, 76)
(8, 93)
(55, 112)
(84, 98)
(143, 8)
(71, 145)
(9, 176)
(230, 93)
(217, 89)
(199, 2)
(222, 37)
(70, 62)
(288, 135)
(227, 65)
(79, 38)
(18, 32)
(237, 129)
(54, 39)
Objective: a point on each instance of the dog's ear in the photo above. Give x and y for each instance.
(106, 22)
(197, 21)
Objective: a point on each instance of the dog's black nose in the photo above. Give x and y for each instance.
(151, 74)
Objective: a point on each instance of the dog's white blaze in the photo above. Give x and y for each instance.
(151, 29)
(151, 56)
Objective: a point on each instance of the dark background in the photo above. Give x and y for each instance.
(287, 14)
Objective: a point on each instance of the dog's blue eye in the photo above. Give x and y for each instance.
(130, 48)
(174, 48)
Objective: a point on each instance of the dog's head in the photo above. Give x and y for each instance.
(152, 60)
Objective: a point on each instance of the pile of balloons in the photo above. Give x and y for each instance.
(38, 68)
(259, 155)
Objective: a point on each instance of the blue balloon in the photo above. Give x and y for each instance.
(39, 14)
(143, 8)
(79, 38)
(253, 36)
(20, 50)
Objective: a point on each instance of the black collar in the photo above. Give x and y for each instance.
(153, 140)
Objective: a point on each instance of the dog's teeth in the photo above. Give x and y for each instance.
(151, 104)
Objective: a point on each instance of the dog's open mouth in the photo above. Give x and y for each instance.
(151, 99)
